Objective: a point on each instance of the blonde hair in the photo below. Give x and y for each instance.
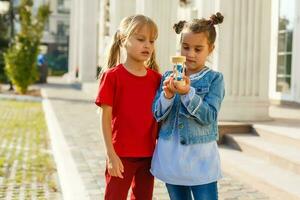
(129, 26)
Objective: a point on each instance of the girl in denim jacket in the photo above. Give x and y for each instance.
(186, 156)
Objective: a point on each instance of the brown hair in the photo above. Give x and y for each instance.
(129, 26)
(200, 26)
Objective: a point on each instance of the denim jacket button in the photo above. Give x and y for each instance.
(181, 126)
(182, 142)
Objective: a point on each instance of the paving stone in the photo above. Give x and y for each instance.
(80, 124)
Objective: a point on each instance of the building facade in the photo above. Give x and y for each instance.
(257, 47)
(56, 34)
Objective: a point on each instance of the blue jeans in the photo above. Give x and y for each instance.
(199, 192)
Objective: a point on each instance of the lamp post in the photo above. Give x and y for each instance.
(11, 19)
(8, 7)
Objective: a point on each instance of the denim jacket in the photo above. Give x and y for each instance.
(196, 121)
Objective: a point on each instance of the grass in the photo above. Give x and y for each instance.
(24, 149)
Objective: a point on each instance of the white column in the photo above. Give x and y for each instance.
(295, 87)
(73, 40)
(118, 10)
(206, 8)
(53, 16)
(87, 55)
(103, 30)
(274, 51)
(110, 18)
(296, 55)
(111, 15)
(164, 13)
(244, 58)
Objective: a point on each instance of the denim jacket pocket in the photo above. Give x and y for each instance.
(202, 90)
(201, 87)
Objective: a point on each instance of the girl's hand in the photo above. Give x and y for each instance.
(180, 88)
(169, 94)
(114, 165)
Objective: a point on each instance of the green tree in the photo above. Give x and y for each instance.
(20, 58)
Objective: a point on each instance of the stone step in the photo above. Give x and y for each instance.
(286, 134)
(274, 181)
(286, 157)
(287, 110)
(233, 127)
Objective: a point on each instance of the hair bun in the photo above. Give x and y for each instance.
(178, 27)
(217, 18)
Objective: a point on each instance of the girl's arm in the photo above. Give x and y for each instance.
(205, 110)
(114, 163)
(163, 100)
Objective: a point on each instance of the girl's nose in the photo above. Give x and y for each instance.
(147, 44)
(190, 53)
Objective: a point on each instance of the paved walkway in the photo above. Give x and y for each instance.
(83, 156)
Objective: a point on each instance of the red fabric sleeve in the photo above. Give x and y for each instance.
(106, 90)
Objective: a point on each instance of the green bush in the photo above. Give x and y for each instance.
(21, 57)
(21, 63)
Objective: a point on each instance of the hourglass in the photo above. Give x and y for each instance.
(178, 68)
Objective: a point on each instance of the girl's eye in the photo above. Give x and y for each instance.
(198, 50)
(186, 48)
(140, 39)
(152, 41)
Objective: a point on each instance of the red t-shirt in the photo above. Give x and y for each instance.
(134, 129)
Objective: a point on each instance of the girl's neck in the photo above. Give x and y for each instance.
(191, 72)
(135, 67)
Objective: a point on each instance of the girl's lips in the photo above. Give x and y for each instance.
(190, 61)
(146, 53)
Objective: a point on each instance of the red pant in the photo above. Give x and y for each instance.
(137, 175)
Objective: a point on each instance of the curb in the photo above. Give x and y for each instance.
(70, 181)
(20, 97)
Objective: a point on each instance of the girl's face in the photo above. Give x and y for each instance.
(140, 45)
(195, 47)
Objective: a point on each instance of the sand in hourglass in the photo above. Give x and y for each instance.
(178, 69)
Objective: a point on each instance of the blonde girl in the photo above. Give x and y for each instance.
(126, 93)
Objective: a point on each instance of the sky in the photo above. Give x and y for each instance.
(287, 10)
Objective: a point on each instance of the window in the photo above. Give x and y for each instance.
(62, 32)
(285, 47)
(63, 6)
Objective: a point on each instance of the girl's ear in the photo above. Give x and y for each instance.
(123, 42)
(211, 48)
